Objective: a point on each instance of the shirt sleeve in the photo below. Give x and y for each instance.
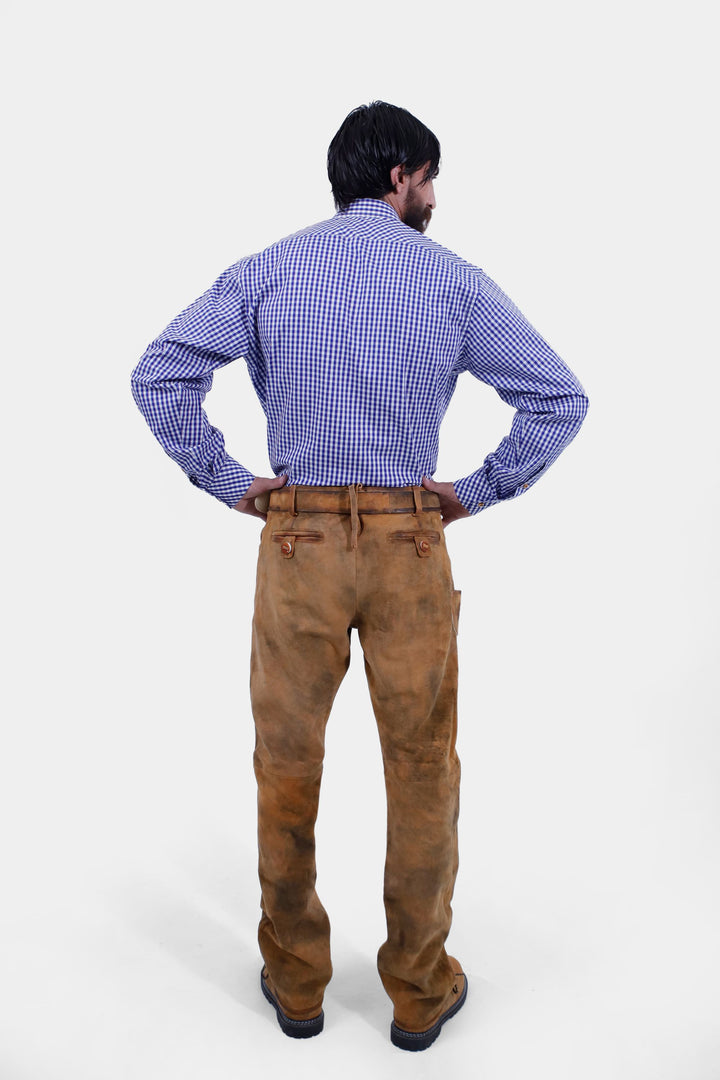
(502, 349)
(172, 378)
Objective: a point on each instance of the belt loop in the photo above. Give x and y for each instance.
(354, 518)
(293, 509)
(417, 496)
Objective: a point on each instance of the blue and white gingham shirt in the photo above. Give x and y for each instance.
(354, 332)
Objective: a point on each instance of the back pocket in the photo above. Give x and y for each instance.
(287, 541)
(424, 541)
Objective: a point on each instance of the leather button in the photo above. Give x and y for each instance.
(422, 546)
(286, 547)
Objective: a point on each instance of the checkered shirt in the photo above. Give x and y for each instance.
(354, 332)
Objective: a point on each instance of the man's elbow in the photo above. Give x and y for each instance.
(571, 408)
(578, 411)
(570, 412)
(142, 379)
(583, 404)
(142, 372)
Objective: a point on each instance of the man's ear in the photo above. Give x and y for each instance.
(397, 176)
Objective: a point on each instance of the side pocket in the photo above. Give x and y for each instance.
(456, 609)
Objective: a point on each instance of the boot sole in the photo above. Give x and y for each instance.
(420, 1040)
(296, 1029)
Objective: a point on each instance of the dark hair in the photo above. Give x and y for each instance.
(371, 141)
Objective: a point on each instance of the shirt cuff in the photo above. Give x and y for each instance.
(475, 492)
(228, 483)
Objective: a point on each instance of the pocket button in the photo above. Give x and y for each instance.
(422, 546)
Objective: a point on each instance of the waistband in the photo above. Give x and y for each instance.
(316, 499)
(352, 499)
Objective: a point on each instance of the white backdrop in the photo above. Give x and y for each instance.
(149, 146)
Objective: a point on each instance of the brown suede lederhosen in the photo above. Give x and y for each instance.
(372, 558)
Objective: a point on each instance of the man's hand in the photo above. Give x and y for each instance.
(450, 506)
(246, 505)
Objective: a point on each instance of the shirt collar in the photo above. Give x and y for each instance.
(371, 208)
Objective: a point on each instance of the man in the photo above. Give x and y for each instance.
(354, 332)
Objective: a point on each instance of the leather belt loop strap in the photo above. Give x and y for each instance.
(354, 518)
(294, 510)
(417, 496)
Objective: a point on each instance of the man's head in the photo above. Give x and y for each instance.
(383, 152)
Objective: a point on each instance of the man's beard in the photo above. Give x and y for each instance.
(418, 216)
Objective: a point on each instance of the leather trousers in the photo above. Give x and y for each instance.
(331, 559)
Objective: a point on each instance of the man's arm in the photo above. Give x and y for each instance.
(502, 349)
(171, 380)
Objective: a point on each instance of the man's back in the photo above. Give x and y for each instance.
(355, 331)
(366, 313)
